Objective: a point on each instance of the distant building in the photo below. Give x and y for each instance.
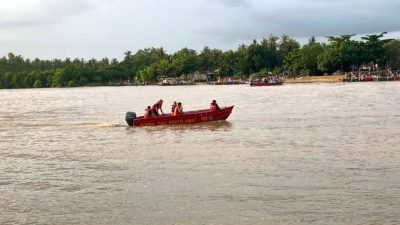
(198, 76)
(230, 80)
(165, 81)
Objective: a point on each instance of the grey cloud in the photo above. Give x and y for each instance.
(107, 28)
(235, 3)
(17, 24)
(306, 18)
(41, 12)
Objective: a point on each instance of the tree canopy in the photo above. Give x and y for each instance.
(273, 53)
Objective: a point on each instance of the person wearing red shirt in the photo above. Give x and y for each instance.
(173, 106)
(178, 109)
(156, 107)
(147, 112)
(214, 106)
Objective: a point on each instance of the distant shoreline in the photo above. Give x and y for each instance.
(297, 80)
(315, 79)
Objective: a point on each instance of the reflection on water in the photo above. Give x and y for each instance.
(297, 154)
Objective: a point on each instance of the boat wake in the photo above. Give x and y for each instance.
(72, 125)
(99, 125)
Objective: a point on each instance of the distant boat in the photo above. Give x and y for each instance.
(191, 117)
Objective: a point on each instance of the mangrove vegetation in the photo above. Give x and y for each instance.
(273, 54)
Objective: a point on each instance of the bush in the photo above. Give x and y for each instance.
(71, 83)
(37, 84)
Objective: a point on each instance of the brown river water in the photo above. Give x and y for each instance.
(295, 154)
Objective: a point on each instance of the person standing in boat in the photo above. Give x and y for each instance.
(178, 109)
(173, 106)
(156, 107)
(214, 106)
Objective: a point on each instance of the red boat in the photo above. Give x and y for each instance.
(369, 79)
(191, 117)
(256, 84)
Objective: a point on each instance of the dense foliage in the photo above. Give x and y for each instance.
(272, 54)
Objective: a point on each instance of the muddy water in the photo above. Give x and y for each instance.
(296, 154)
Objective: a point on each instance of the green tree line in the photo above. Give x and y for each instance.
(272, 54)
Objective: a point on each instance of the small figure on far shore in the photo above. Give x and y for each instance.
(214, 106)
(178, 109)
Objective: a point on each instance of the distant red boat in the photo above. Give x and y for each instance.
(256, 84)
(191, 117)
(369, 79)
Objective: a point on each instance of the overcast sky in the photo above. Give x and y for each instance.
(107, 28)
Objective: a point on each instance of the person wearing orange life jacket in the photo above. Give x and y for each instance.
(178, 109)
(214, 106)
(156, 107)
(173, 106)
(147, 112)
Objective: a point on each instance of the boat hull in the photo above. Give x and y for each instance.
(265, 84)
(192, 117)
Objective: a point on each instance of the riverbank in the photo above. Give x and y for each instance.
(316, 79)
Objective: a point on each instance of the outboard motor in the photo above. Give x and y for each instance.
(129, 117)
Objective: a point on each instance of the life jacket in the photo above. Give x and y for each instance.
(178, 110)
(213, 107)
(157, 106)
(173, 107)
(146, 113)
